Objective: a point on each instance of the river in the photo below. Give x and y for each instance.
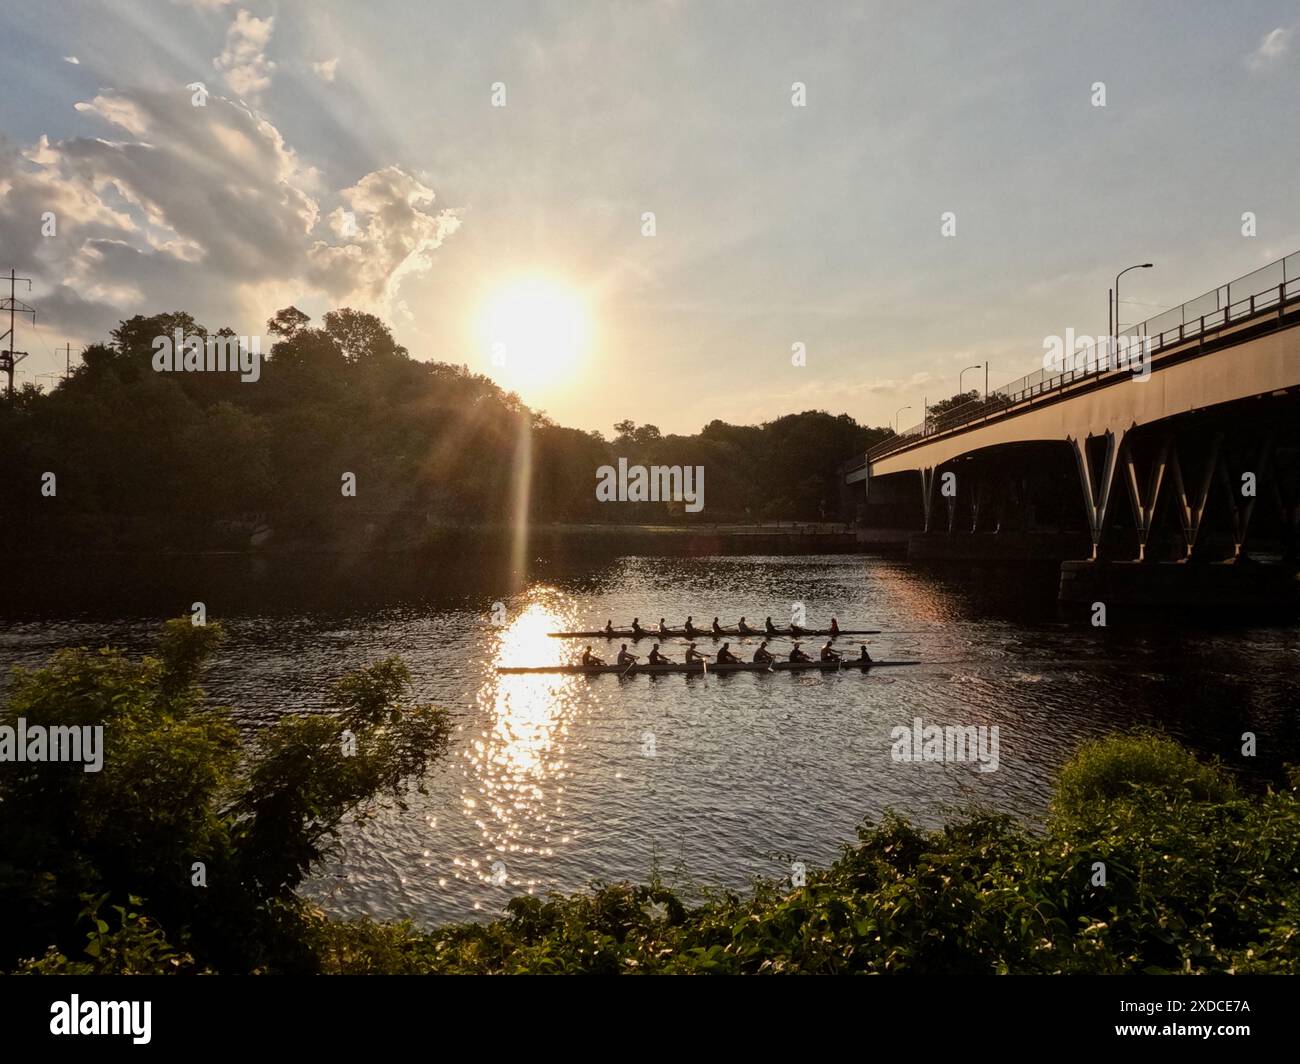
(554, 782)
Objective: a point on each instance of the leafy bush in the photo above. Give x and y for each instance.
(1117, 766)
(179, 787)
(1198, 879)
(137, 947)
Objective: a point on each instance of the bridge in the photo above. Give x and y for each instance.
(1196, 412)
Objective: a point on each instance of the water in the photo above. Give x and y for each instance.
(552, 775)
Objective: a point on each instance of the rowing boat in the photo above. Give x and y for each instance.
(696, 668)
(726, 633)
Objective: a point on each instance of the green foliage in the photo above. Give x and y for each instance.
(180, 785)
(1115, 767)
(137, 947)
(1199, 879)
(150, 461)
(1149, 862)
(308, 772)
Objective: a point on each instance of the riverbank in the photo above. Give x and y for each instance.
(1151, 863)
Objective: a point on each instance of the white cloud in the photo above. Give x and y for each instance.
(116, 110)
(205, 209)
(72, 59)
(243, 61)
(326, 68)
(390, 233)
(1270, 50)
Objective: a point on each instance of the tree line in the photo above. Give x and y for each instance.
(142, 457)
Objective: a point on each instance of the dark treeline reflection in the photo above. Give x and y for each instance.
(463, 574)
(176, 460)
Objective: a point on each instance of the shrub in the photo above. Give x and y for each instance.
(178, 786)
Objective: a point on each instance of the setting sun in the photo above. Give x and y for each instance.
(534, 332)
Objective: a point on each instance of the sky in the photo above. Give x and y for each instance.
(481, 169)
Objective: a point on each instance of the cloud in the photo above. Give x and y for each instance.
(243, 61)
(116, 110)
(1270, 50)
(326, 68)
(72, 59)
(391, 234)
(205, 209)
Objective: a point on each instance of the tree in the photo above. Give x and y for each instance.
(151, 460)
(98, 357)
(961, 406)
(361, 336)
(136, 335)
(286, 322)
(955, 402)
(309, 349)
(178, 785)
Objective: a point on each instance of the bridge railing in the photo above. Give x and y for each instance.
(1269, 286)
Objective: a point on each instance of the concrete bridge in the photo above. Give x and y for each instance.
(1200, 430)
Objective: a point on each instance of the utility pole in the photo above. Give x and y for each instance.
(8, 356)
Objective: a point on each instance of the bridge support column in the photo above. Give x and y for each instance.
(1096, 486)
(927, 493)
(1242, 507)
(1191, 510)
(1284, 486)
(1145, 503)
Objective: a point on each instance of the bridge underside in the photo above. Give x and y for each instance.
(1217, 485)
(1198, 460)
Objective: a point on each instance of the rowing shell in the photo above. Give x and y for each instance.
(677, 633)
(695, 667)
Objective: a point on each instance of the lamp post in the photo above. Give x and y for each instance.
(961, 390)
(1114, 330)
(900, 410)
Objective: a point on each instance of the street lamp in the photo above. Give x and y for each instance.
(962, 376)
(900, 410)
(1114, 329)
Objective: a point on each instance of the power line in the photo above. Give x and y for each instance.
(11, 357)
(40, 333)
(53, 353)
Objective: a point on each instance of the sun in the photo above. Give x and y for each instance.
(535, 332)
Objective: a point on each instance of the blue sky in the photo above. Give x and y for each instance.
(775, 224)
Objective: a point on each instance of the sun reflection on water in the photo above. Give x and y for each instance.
(516, 765)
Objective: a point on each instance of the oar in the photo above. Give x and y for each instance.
(630, 666)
